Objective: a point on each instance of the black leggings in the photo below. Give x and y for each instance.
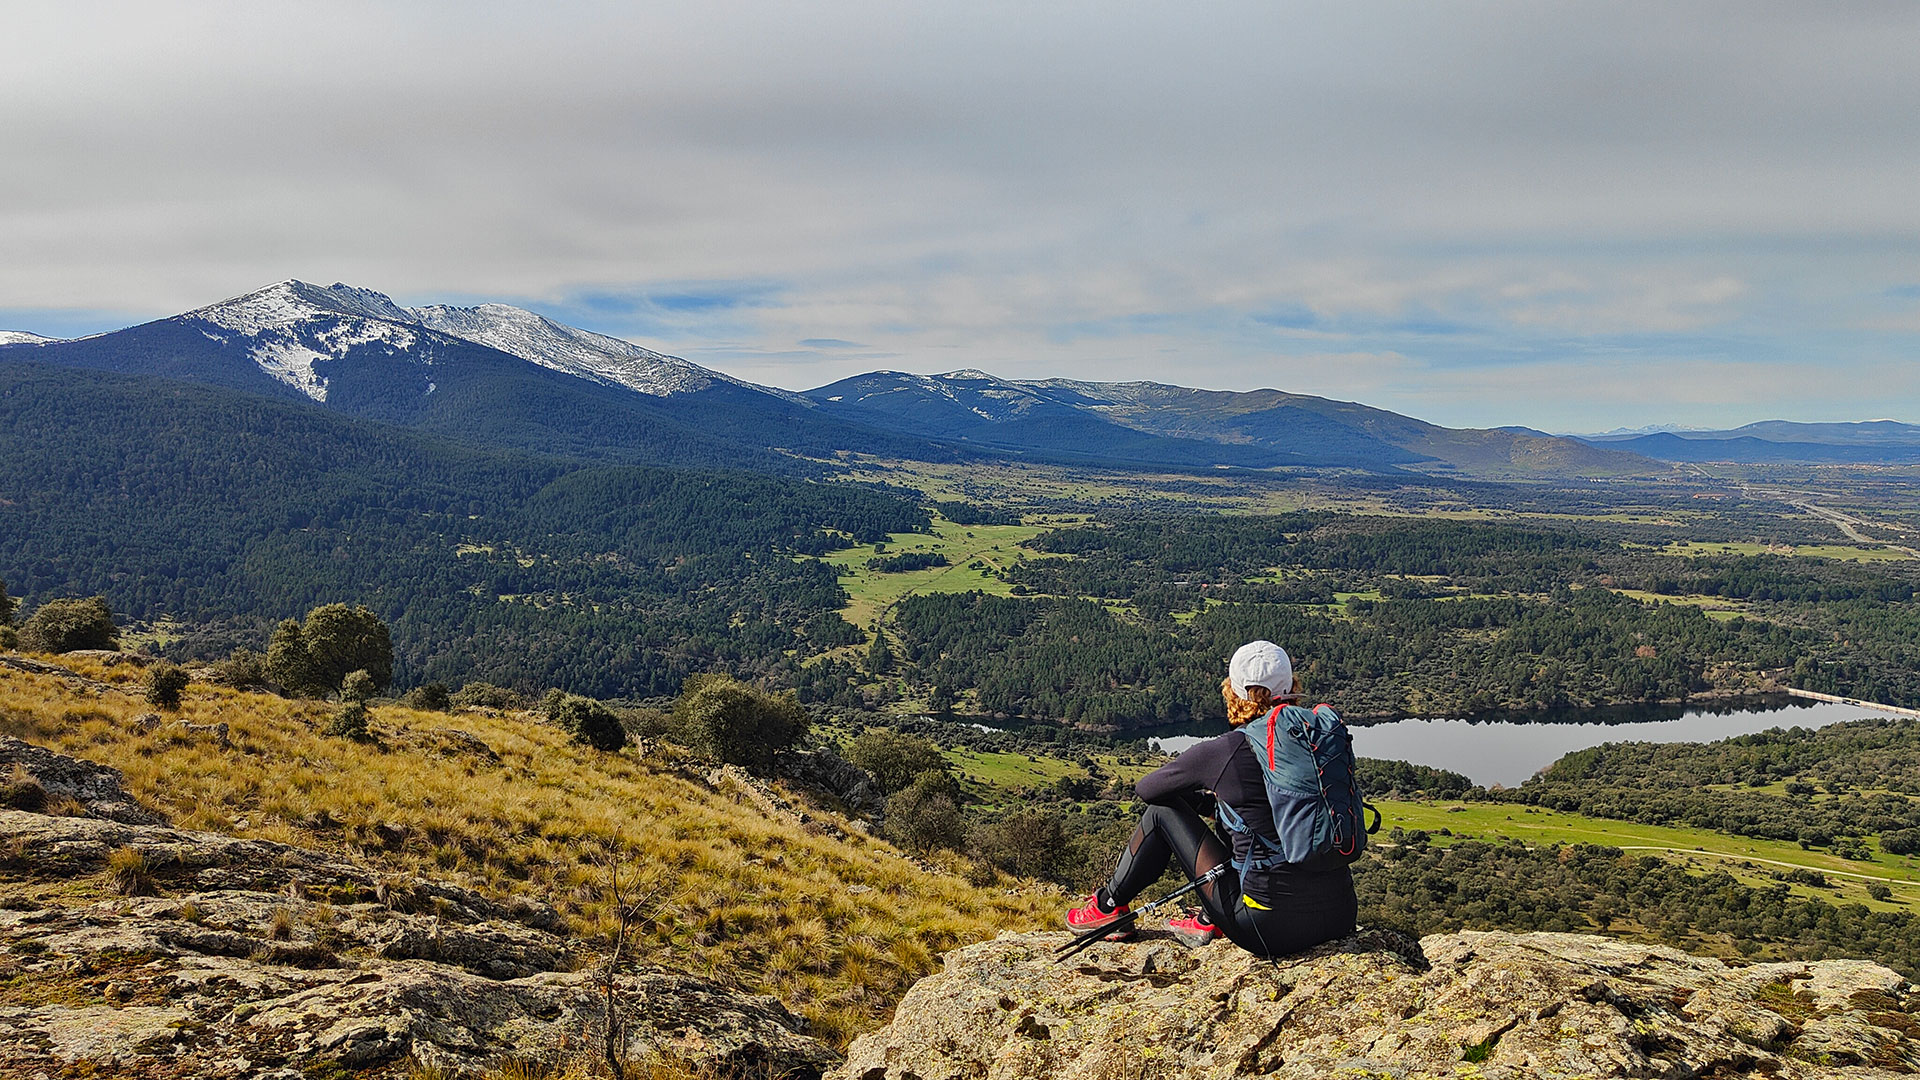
(1322, 911)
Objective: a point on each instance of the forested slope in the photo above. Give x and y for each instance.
(213, 506)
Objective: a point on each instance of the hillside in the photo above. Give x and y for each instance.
(797, 902)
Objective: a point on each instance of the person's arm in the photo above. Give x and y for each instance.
(1191, 773)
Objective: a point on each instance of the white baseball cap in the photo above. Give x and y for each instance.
(1261, 663)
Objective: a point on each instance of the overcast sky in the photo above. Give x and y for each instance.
(1569, 216)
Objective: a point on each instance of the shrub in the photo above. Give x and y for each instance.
(357, 686)
(432, 697)
(129, 873)
(480, 695)
(1879, 891)
(349, 721)
(926, 814)
(7, 606)
(737, 723)
(895, 760)
(61, 626)
(165, 681)
(586, 720)
(243, 668)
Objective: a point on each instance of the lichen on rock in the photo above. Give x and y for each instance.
(1471, 1004)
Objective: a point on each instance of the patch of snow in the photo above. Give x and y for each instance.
(349, 333)
(568, 349)
(21, 337)
(292, 363)
(275, 307)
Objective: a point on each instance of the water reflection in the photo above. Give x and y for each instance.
(1507, 751)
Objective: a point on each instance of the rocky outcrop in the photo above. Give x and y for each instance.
(1485, 1005)
(824, 770)
(197, 954)
(99, 789)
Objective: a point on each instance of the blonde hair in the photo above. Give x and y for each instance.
(1259, 700)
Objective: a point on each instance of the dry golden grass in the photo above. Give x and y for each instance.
(836, 928)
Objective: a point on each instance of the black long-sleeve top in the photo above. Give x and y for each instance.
(1226, 766)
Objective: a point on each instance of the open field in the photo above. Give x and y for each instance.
(1716, 607)
(995, 547)
(1748, 859)
(1841, 552)
(990, 775)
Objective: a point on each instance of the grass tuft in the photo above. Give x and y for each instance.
(129, 873)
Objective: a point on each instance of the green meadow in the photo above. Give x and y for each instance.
(1748, 859)
(975, 556)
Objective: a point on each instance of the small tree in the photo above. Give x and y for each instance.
(879, 654)
(316, 657)
(343, 639)
(165, 681)
(586, 720)
(8, 605)
(61, 626)
(288, 662)
(895, 760)
(926, 814)
(738, 723)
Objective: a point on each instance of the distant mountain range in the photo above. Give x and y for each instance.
(503, 376)
(1868, 442)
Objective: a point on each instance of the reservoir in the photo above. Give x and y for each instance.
(1507, 751)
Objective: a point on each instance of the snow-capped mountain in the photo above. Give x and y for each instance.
(21, 337)
(493, 374)
(291, 326)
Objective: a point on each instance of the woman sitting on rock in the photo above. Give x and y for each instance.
(1271, 907)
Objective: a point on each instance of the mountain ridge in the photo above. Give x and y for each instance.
(503, 375)
(1282, 427)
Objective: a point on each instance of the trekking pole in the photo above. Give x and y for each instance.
(1098, 932)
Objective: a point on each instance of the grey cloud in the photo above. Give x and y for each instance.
(1035, 189)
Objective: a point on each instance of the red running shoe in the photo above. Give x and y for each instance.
(1088, 916)
(1193, 930)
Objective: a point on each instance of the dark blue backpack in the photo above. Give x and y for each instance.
(1318, 812)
